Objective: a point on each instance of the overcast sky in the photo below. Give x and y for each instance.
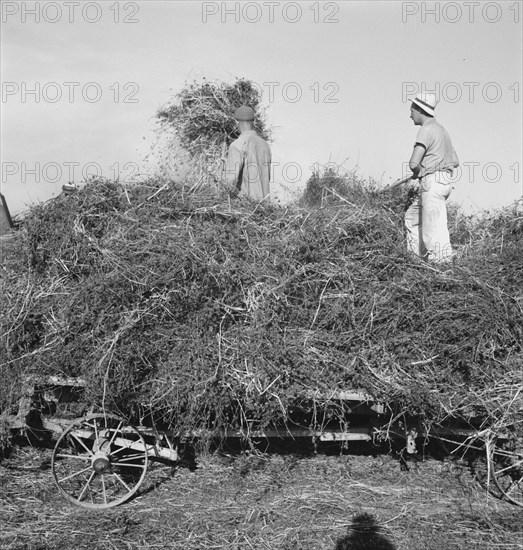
(81, 83)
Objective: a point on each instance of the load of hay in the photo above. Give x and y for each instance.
(212, 313)
(196, 126)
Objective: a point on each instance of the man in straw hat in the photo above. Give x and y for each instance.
(432, 162)
(248, 164)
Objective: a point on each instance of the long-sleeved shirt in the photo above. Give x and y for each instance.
(248, 165)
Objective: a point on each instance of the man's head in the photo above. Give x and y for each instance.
(422, 108)
(245, 117)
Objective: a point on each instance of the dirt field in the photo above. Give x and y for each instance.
(281, 501)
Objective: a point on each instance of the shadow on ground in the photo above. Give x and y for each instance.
(364, 534)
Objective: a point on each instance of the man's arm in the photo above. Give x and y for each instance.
(415, 160)
(233, 166)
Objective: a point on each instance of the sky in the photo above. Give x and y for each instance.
(82, 82)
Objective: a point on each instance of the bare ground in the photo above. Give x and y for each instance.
(265, 501)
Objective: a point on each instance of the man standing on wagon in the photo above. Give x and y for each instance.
(248, 164)
(433, 161)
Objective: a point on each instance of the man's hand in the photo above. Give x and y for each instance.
(415, 160)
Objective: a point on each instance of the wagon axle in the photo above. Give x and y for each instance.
(100, 460)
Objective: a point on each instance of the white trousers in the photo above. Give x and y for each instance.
(426, 220)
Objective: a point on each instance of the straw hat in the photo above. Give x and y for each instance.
(426, 102)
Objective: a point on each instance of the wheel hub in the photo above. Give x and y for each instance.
(100, 463)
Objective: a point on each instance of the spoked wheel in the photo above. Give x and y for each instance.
(99, 462)
(506, 465)
(481, 467)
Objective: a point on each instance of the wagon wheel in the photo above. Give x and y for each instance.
(481, 468)
(99, 462)
(506, 465)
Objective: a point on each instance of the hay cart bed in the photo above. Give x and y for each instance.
(100, 460)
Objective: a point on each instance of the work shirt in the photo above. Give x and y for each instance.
(248, 165)
(439, 152)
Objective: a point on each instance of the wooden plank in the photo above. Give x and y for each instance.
(341, 395)
(51, 380)
(351, 434)
(345, 436)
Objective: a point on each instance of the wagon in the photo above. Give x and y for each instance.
(100, 460)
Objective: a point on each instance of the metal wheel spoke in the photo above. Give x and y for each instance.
(120, 449)
(121, 481)
(103, 489)
(514, 485)
(111, 441)
(503, 453)
(94, 425)
(81, 443)
(85, 488)
(509, 467)
(81, 457)
(75, 474)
